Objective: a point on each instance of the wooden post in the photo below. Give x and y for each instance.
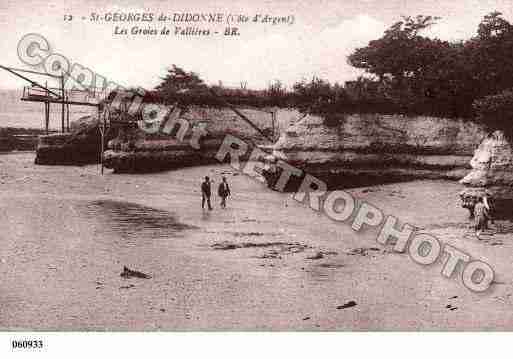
(47, 109)
(47, 116)
(273, 118)
(101, 117)
(67, 116)
(63, 100)
(103, 145)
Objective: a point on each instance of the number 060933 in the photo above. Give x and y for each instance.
(27, 344)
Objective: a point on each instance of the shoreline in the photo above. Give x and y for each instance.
(19, 139)
(254, 266)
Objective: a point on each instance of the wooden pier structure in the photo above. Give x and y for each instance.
(38, 92)
(60, 96)
(107, 115)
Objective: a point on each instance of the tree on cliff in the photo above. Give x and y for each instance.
(400, 53)
(178, 81)
(435, 76)
(496, 111)
(421, 71)
(183, 87)
(490, 55)
(318, 96)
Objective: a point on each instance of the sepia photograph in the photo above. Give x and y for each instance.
(241, 166)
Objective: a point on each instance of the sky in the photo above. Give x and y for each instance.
(324, 33)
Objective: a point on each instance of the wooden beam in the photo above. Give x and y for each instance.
(34, 83)
(54, 100)
(241, 115)
(29, 71)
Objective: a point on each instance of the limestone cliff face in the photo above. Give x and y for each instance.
(361, 149)
(354, 150)
(492, 173)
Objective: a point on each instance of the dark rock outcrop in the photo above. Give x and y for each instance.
(135, 150)
(81, 146)
(18, 139)
(491, 174)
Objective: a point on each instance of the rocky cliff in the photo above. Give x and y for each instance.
(80, 146)
(350, 150)
(491, 174)
(135, 150)
(363, 149)
(19, 139)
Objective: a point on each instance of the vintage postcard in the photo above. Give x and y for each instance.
(255, 166)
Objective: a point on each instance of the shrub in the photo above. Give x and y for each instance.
(496, 111)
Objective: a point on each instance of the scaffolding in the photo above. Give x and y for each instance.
(93, 97)
(38, 92)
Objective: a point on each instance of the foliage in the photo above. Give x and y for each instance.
(178, 81)
(437, 77)
(496, 111)
(407, 73)
(401, 52)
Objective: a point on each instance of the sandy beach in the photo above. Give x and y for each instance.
(67, 232)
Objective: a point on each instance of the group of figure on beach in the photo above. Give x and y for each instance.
(481, 208)
(223, 191)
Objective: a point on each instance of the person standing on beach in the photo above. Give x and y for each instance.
(481, 216)
(205, 193)
(223, 191)
(488, 203)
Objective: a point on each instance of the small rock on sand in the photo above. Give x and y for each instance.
(318, 255)
(450, 307)
(129, 273)
(349, 304)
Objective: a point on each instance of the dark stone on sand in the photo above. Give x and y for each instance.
(331, 265)
(81, 146)
(226, 245)
(127, 286)
(129, 273)
(349, 304)
(18, 139)
(318, 255)
(362, 251)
